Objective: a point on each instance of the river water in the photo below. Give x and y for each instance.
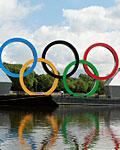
(64, 128)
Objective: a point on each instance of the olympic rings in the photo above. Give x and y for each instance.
(55, 74)
(74, 52)
(65, 82)
(115, 57)
(22, 82)
(29, 45)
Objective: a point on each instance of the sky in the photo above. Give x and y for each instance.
(80, 22)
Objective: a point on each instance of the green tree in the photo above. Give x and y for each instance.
(100, 90)
(85, 77)
(81, 86)
(44, 82)
(28, 80)
(90, 86)
(71, 84)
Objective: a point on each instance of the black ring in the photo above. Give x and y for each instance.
(74, 52)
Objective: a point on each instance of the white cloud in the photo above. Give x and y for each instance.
(14, 10)
(117, 1)
(81, 42)
(84, 27)
(94, 18)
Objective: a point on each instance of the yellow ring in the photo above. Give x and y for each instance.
(22, 81)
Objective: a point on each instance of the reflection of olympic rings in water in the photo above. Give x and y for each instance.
(23, 123)
(55, 74)
(114, 139)
(27, 119)
(54, 138)
(64, 128)
(14, 134)
(93, 136)
(65, 135)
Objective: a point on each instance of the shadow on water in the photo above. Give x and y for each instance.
(67, 127)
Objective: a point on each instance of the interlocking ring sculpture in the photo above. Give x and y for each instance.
(55, 72)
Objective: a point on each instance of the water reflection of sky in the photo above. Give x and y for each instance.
(67, 127)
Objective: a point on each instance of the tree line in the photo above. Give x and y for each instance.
(43, 82)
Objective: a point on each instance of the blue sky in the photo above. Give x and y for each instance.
(51, 12)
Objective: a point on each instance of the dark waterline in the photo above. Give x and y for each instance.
(67, 127)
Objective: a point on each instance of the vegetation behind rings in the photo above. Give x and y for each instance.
(42, 83)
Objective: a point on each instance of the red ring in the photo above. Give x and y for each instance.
(115, 57)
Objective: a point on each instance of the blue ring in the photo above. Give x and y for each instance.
(29, 45)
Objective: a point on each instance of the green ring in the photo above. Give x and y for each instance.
(95, 72)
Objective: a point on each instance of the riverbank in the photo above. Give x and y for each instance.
(70, 100)
(54, 101)
(27, 101)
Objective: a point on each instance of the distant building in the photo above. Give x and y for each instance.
(112, 86)
(5, 83)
